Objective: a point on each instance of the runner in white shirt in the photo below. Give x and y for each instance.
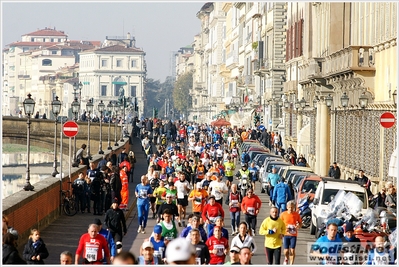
(183, 189)
(218, 188)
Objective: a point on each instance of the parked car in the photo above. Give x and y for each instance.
(326, 191)
(292, 168)
(253, 153)
(310, 182)
(268, 169)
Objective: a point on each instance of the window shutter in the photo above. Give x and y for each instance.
(287, 46)
(300, 44)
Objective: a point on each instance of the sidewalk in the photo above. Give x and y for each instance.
(64, 233)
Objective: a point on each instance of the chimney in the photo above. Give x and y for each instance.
(128, 36)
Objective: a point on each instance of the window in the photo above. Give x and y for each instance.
(32, 39)
(46, 62)
(104, 62)
(133, 90)
(52, 40)
(103, 90)
(59, 39)
(119, 63)
(54, 52)
(133, 63)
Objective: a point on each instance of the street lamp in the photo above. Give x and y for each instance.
(29, 107)
(77, 87)
(122, 113)
(101, 108)
(363, 100)
(56, 108)
(115, 107)
(89, 109)
(75, 110)
(344, 100)
(109, 108)
(297, 104)
(286, 103)
(302, 103)
(329, 100)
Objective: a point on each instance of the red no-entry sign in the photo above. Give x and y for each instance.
(70, 129)
(387, 120)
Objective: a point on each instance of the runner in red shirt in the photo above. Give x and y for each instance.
(92, 245)
(211, 211)
(250, 206)
(218, 246)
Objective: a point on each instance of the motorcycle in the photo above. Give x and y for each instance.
(244, 185)
(305, 210)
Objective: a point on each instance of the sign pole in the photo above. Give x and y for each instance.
(70, 163)
(61, 172)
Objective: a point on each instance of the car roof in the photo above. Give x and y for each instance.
(331, 183)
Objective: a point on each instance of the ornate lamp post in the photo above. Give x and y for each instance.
(77, 88)
(56, 108)
(122, 112)
(75, 110)
(115, 108)
(363, 100)
(329, 100)
(109, 107)
(101, 108)
(29, 107)
(89, 109)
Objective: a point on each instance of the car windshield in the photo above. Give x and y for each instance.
(310, 185)
(329, 194)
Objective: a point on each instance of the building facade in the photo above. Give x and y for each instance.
(117, 69)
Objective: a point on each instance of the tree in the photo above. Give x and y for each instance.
(181, 92)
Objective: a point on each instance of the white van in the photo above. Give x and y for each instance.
(325, 192)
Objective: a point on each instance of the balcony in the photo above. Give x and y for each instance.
(232, 61)
(352, 58)
(24, 77)
(249, 79)
(290, 87)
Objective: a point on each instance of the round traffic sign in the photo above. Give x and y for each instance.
(70, 129)
(387, 120)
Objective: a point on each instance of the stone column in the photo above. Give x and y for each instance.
(324, 141)
(317, 154)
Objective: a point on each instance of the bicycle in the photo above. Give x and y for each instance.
(69, 203)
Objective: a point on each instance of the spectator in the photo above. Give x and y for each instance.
(132, 160)
(44, 117)
(10, 251)
(115, 183)
(66, 258)
(122, 156)
(334, 171)
(37, 115)
(80, 159)
(113, 158)
(364, 181)
(102, 162)
(35, 250)
(79, 190)
(390, 200)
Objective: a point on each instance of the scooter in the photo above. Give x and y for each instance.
(304, 210)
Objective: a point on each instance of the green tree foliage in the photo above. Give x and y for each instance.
(181, 92)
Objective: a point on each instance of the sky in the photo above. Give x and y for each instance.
(159, 27)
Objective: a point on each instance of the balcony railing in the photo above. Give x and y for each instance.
(232, 61)
(290, 86)
(350, 58)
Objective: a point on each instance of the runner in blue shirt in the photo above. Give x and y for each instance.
(327, 248)
(143, 193)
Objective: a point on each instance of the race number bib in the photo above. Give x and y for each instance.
(91, 252)
(157, 254)
(143, 193)
(291, 229)
(212, 220)
(180, 195)
(251, 210)
(198, 200)
(198, 261)
(219, 250)
(234, 203)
